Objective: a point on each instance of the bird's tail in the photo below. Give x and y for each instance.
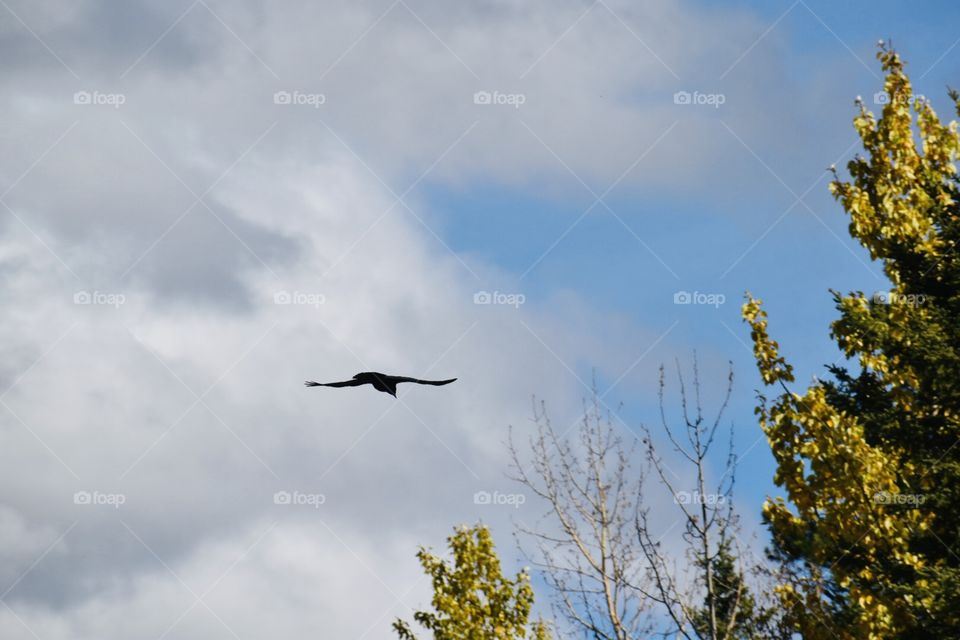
(311, 383)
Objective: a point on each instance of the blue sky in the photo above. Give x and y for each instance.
(729, 236)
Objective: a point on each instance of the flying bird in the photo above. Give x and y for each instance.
(380, 382)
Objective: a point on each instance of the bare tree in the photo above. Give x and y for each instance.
(597, 546)
(587, 551)
(710, 523)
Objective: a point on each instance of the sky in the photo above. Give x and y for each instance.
(205, 203)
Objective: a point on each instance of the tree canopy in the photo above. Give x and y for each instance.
(870, 458)
(472, 599)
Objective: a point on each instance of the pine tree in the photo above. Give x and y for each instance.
(744, 618)
(870, 459)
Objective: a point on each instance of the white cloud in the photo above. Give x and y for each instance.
(105, 396)
(117, 390)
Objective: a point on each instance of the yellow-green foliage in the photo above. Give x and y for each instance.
(871, 570)
(832, 477)
(472, 600)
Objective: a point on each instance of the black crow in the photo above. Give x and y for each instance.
(380, 382)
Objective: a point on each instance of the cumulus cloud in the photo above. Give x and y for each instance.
(196, 416)
(173, 267)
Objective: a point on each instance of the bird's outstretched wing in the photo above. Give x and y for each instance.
(436, 383)
(345, 383)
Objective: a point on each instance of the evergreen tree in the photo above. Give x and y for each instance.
(744, 618)
(870, 459)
